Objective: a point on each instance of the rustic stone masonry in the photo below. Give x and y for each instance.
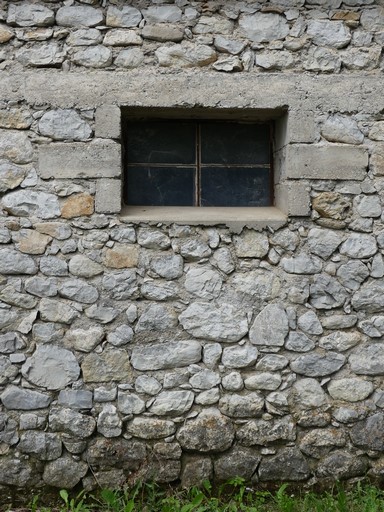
(138, 347)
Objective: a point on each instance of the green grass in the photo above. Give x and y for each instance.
(234, 496)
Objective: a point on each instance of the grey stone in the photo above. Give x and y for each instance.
(258, 284)
(162, 33)
(278, 59)
(156, 318)
(109, 423)
(340, 465)
(151, 428)
(47, 332)
(64, 472)
(123, 234)
(64, 124)
(25, 203)
(318, 364)
(213, 25)
(372, 19)
(82, 266)
(309, 323)
(368, 360)
(288, 465)
(155, 290)
(222, 323)
(205, 379)
(166, 355)
(208, 397)
(350, 389)
(78, 290)
(129, 403)
(228, 64)
(286, 239)
(272, 363)
(17, 398)
(71, 422)
(8, 431)
(30, 15)
(121, 336)
(377, 266)
(172, 403)
(270, 326)
(122, 37)
(163, 14)
(168, 266)
(56, 311)
(203, 282)
(74, 16)
(327, 293)
(265, 381)
(340, 341)
(57, 230)
(209, 432)
(239, 356)
(366, 434)
(16, 472)
(5, 236)
(222, 44)
(41, 286)
(359, 245)
(261, 432)
(104, 394)
(51, 367)
(102, 314)
(127, 16)
(222, 258)
(322, 60)
(263, 27)
(75, 398)
(98, 56)
(147, 384)
(299, 342)
(329, 33)
(85, 37)
(11, 342)
(352, 274)
(121, 285)
(323, 242)
(339, 321)
(251, 244)
(302, 264)
(11, 175)
(7, 317)
(10, 296)
(121, 453)
(43, 445)
(307, 394)
(338, 128)
(194, 249)
(320, 442)
(368, 206)
(212, 354)
(43, 55)
(242, 406)
(369, 297)
(130, 58)
(111, 365)
(196, 469)
(238, 462)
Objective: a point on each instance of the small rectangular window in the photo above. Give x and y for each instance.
(181, 162)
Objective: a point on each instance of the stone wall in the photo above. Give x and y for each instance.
(135, 348)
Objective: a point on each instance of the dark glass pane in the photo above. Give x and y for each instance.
(161, 142)
(161, 186)
(236, 186)
(234, 143)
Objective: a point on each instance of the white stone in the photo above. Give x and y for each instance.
(344, 129)
(46, 54)
(185, 55)
(203, 282)
(239, 356)
(126, 17)
(147, 384)
(30, 15)
(329, 33)
(270, 327)
(359, 245)
(265, 381)
(324, 242)
(205, 379)
(368, 206)
(309, 323)
(85, 37)
(26, 203)
(172, 354)
(93, 57)
(131, 58)
(172, 403)
(263, 27)
(302, 264)
(352, 274)
(75, 16)
(64, 124)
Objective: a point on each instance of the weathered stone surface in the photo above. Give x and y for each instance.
(350, 389)
(327, 293)
(168, 266)
(288, 465)
(340, 465)
(366, 434)
(57, 230)
(43, 55)
(51, 367)
(204, 379)
(151, 428)
(110, 365)
(56, 311)
(10, 296)
(259, 284)
(196, 469)
(85, 37)
(302, 264)
(156, 318)
(32, 242)
(272, 363)
(84, 340)
(232, 46)
(185, 55)
(239, 356)
(320, 442)
(127, 16)
(129, 403)
(172, 403)
(47, 332)
(323, 242)
(121, 285)
(122, 37)
(12, 262)
(79, 290)
(339, 321)
(17, 398)
(338, 128)
(102, 314)
(11, 175)
(109, 423)
(209, 432)
(62, 124)
(64, 472)
(77, 206)
(359, 245)
(329, 33)
(309, 323)
(270, 326)
(118, 453)
(369, 297)
(340, 341)
(222, 258)
(74, 16)
(25, 203)
(30, 15)
(71, 422)
(98, 56)
(121, 256)
(6, 34)
(317, 364)
(82, 266)
(147, 384)
(352, 274)
(16, 472)
(121, 336)
(8, 432)
(75, 398)
(203, 282)
(131, 58)
(223, 323)
(156, 290)
(43, 445)
(11, 342)
(261, 432)
(232, 382)
(368, 360)
(163, 14)
(53, 266)
(265, 381)
(251, 244)
(263, 27)
(331, 205)
(162, 33)
(174, 354)
(241, 406)
(238, 462)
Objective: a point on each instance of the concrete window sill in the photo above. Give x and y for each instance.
(233, 218)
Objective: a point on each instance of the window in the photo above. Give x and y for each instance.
(196, 162)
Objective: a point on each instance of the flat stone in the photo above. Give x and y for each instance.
(127, 16)
(84, 340)
(203, 282)
(42, 287)
(299, 342)
(232, 46)
(302, 264)
(329, 33)
(320, 442)
(307, 394)
(168, 266)
(359, 245)
(288, 465)
(205, 379)
(98, 56)
(349, 389)
(32, 242)
(75, 398)
(129, 403)
(185, 55)
(78, 290)
(323, 242)
(109, 423)
(44, 55)
(239, 356)
(263, 27)
(352, 274)
(369, 297)
(122, 37)
(109, 453)
(327, 293)
(340, 465)
(340, 340)
(17, 398)
(278, 59)
(366, 434)
(15, 118)
(57, 230)
(53, 266)
(6, 34)
(51, 367)
(232, 382)
(264, 433)
(162, 33)
(331, 205)
(25, 203)
(309, 323)
(121, 256)
(73, 16)
(56, 311)
(64, 472)
(222, 258)
(251, 244)
(30, 15)
(272, 363)
(343, 129)
(339, 321)
(121, 285)
(111, 365)
(242, 406)
(156, 318)
(11, 175)
(47, 332)
(286, 239)
(265, 381)
(172, 403)
(16, 472)
(372, 19)
(15, 146)
(212, 354)
(77, 206)
(151, 428)
(64, 124)
(238, 462)
(270, 326)
(147, 384)
(102, 314)
(258, 284)
(130, 58)
(317, 364)
(209, 432)
(163, 14)
(166, 355)
(11, 342)
(85, 37)
(121, 336)
(222, 323)
(10, 296)
(13, 263)
(367, 360)
(42, 445)
(82, 266)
